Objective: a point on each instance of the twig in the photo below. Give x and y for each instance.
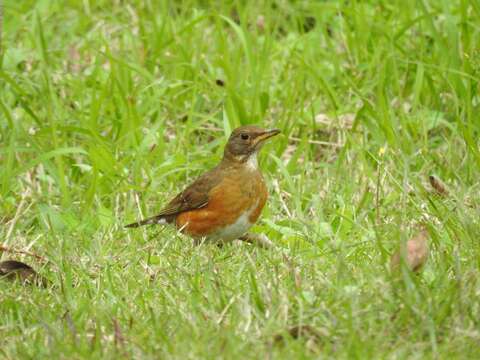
(71, 326)
(18, 212)
(137, 202)
(118, 335)
(225, 310)
(23, 252)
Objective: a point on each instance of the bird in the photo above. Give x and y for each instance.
(414, 253)
(222, 204)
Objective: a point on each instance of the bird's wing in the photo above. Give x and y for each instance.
(195, 196)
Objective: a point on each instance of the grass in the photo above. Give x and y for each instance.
(108, 108)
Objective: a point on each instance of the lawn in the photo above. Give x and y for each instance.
(109, 108)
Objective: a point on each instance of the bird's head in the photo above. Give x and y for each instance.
(245, 142)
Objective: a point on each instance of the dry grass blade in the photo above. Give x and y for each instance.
(318, 142)
(71, 325)
(118, 335)
(16, 270)
(294, 271)
(1, 25)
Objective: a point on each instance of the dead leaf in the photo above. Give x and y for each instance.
(414, 252)
(438, 186)
(16, 270)
(342, 121)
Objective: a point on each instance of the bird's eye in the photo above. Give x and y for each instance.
(245, 136)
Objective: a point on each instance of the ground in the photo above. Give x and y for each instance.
(108, 108)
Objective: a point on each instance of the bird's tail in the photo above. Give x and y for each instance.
(159, 219)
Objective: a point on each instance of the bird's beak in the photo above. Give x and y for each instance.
(266, 135)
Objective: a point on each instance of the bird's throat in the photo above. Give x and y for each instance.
(248, 161)
(252, 162)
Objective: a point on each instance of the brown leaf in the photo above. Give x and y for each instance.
(438, 186)
(16, 270)
(414, 252)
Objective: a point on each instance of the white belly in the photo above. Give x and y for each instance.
(235, 230)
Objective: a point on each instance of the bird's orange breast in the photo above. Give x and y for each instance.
(235, 196)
